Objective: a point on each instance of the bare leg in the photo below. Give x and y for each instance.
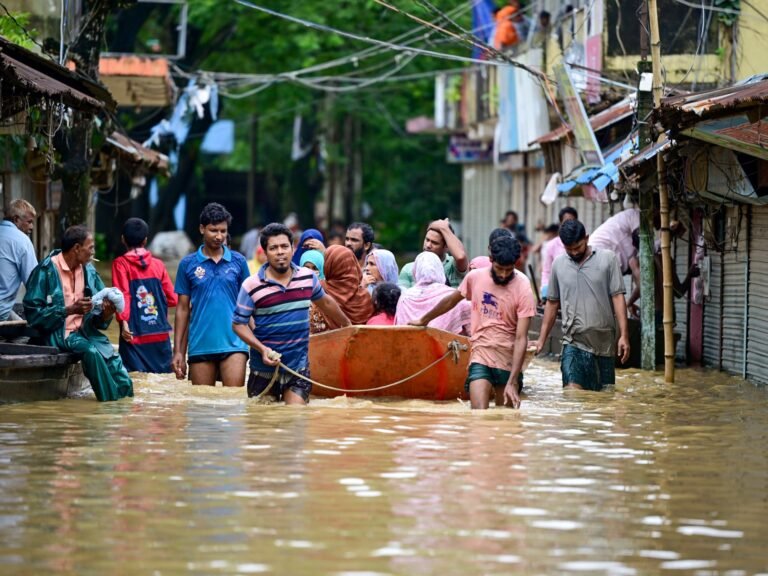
(480, 394)
(233, 370)
(203, 373)
(573, 386)
(293, 399)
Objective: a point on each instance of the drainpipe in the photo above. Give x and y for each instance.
(746, 296)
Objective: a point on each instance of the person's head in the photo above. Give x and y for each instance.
(497, 233)
(359, 239)
(381, 264)
(551, 231)
(545, 19)
(135, 232)
(335, 238)
(276, 240)
(315, 261)
(428, 269)
(479, 262)
(567, 213)
(510, 220)
(214, 225)
(385, 297)
(434, 242)
(77, 244)
(574, 237)
(23, 215)
(504, 254)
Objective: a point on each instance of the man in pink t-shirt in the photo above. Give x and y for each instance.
(502, 306)
(553, 249)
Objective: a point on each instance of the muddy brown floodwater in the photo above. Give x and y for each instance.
(642, 479)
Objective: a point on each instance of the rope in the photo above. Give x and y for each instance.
(454, 349)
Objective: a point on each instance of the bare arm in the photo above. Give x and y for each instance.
(454, 245)
(511, 394)
(441, 308)
(245, 334)
(620, 310)
(550, 315)
(330, 309)
(634, 267)
(180, 340)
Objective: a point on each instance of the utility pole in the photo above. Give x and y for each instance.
(666, 257)
(647, 267)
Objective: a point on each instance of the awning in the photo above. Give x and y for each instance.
(134, 152)
(593, 181)
(138, 81)
(736, 133)
(27, 76)
(607, 117)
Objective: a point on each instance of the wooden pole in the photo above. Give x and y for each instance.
(666, 257)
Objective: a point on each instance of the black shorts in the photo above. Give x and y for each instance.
(220, 357)
(258, 382)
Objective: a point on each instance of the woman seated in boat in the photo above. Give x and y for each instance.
(430, 288)
(380, 266)
(385, 298)
(315, 261)
(342, 283)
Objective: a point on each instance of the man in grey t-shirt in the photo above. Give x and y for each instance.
(586, 285)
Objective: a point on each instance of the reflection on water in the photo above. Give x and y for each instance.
(641, 479)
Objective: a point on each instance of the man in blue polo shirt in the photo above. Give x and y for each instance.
(207, 283)
(277, 298)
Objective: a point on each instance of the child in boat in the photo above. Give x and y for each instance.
(385, 297)
(145, 343)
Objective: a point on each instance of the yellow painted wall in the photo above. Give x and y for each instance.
(752, 40)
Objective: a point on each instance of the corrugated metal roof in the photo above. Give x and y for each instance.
(678, 110)
(647, 153)
(607, 117)
(39, 76)
(149, 158)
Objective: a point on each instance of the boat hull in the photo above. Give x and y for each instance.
(30, 373)
(357, 358)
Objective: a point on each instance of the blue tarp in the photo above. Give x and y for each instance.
(482, 22)
(598, 176)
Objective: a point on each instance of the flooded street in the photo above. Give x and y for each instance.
(642, 479)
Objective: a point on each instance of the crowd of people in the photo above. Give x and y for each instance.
(258, 308)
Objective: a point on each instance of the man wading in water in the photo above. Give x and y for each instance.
(277, 297)
(502, 307)
(587, 285)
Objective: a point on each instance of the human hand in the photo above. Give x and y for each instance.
(539, 346)
(441, 225)
(368, 279)
(107, 309)
(179, 365)
(270, 357)
(511, 395)
(634, 311)
(417, 322)
(125, 332)
(623, 349)
(81, 306)
(314, 244)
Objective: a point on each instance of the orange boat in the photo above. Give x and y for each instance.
(358, 358)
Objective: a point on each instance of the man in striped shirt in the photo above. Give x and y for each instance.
(278, 297)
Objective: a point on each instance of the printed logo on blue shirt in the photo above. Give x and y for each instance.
(200, 272)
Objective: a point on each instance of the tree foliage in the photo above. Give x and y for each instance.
(405, 180)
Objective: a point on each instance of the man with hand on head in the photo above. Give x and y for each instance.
(441, 240)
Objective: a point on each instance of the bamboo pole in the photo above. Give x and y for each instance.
(666, 257)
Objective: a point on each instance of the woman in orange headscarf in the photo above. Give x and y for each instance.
(342, 283)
